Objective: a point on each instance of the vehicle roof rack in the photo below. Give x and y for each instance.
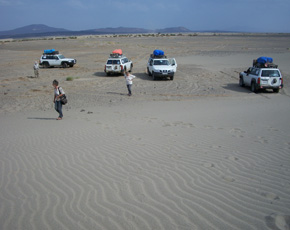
(266, 65)
(116, 55)
(158, 56)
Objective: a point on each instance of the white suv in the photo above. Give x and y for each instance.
(49, 60)
(161, 67)
(118, 64)
(262, 78)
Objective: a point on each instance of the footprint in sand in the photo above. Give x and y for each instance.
(262, 140)
(278, 222)
(208, 165)
(270, 195)
(228, 178)
(236, 132)
(232, 158)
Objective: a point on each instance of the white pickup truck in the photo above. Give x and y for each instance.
(161, 67)
(261, 78)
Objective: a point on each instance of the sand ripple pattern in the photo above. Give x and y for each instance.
(172, 175)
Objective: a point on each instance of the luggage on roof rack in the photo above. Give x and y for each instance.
(51, 51)
(116, 53)
(264, 62)
(158, 54)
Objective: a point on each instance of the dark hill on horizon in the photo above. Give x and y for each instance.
(40, 30)
(32, 29)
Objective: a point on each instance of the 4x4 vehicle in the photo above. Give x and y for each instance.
(118, 63)
(56, 59)
(262, 78)
(161, 67)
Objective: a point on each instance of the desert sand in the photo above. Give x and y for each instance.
(198, 152)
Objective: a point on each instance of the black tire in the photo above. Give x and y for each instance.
(108, 74)
(276, 90)
(241, 82)
(131, 68)
(149, 74)
(71, 65)
(253, 87)
(45, 65)
(64, 65)
(171, 78)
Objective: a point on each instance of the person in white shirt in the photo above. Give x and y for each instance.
(129, 81)
(36, 69)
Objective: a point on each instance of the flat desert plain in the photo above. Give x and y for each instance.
(198, 152)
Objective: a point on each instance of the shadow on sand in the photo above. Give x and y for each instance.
(103, 74)
(41, 118)
(115, 93)
(237, 88)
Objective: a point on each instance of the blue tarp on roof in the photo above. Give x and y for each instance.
(49, 51)
(158, 52)
(264, 60)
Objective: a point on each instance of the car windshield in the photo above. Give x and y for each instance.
(114, 62)
(161, 62)
(270, 73)
(61, 57)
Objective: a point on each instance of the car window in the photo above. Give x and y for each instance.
(270, 73)
(123, 61)
(116, 62)
(61, 57)
(161, 62)
(109, 62)
(254, 71)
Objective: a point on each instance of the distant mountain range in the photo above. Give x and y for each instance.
(39, 30)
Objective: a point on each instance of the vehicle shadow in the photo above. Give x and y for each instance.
(143, 76)
(103, 74)
(237, 88)
(146, 77)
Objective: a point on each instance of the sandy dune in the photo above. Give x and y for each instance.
(198, 152)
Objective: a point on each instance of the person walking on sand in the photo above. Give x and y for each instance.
(129, 81)
(58, 93)
(36, 69)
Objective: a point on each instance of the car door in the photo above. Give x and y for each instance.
(54, 61)
(150, 65)
(249, 75)
(173, 63)
(126, 63)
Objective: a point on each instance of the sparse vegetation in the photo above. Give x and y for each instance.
(71, 78)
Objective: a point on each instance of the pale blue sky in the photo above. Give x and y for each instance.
(200, 15)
